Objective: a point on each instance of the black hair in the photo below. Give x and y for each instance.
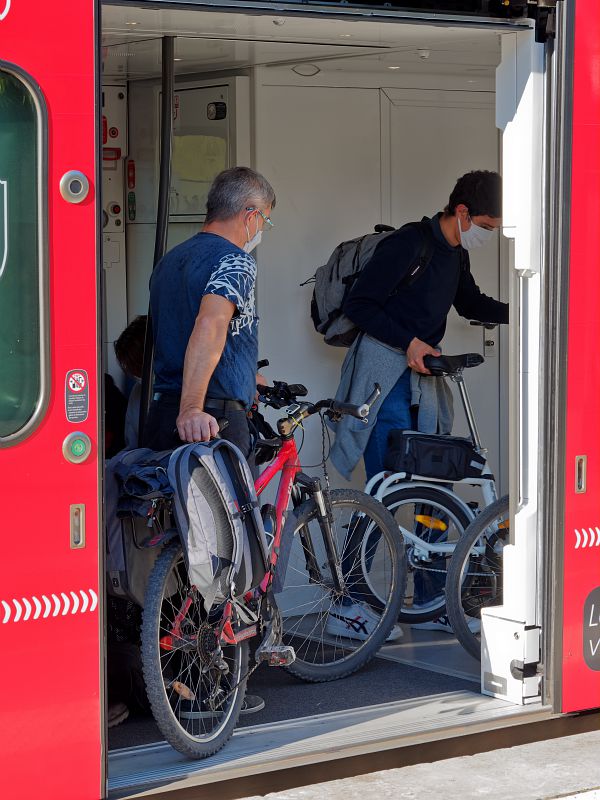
(129, 347)
(480, 191)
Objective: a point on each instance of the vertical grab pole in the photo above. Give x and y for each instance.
(162, 213)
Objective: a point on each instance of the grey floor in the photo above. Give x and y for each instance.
(424, 663)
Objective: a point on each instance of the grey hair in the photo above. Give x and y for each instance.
(235, 189)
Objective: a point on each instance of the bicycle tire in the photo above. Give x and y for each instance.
(175, 724)
(466, 596)
(444, 506)
(345, 655)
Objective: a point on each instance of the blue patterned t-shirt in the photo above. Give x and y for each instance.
(205, 264)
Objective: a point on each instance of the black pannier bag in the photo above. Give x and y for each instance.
(138, 501)
(450, 458)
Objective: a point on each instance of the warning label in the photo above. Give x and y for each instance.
(77, 395)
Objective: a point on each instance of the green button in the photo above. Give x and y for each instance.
(78, 447)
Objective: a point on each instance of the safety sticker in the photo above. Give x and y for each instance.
(30, 608)
(77, 395)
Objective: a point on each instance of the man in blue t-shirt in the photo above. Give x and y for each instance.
(202, 300)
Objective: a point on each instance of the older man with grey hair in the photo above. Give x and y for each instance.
(205, 325)
(204, 319)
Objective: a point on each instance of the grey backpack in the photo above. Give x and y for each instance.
(218, 518)
(334, 280)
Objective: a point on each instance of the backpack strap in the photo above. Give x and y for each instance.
(426, 253)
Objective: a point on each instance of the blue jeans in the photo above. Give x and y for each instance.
(395, 414)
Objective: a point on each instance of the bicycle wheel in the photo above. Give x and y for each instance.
(195, 686)
(335, 632)
(436, 519)
(475, 574)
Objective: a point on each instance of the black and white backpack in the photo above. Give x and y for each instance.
(218, 518)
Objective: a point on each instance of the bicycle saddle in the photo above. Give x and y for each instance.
(452, 365)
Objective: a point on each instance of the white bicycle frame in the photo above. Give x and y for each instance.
(385, 483)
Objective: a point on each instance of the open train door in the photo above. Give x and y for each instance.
(50, 670)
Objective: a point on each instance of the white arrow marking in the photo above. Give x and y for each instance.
(578, 535)
(84, 601)
(584, 537)
(94, 597)
(597, 537)
(18, 609)
(56, 605)
(38, 607)
(7, 612)
(592, 537)
(75, 602)
(47, 606)
(27, 605)
(67, 603)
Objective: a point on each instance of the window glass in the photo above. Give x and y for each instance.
(20, 357)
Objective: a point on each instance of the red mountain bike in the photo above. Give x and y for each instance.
(334, 551)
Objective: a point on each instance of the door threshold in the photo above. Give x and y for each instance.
(143, 771)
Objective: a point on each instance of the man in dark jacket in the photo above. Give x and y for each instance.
(413, 317)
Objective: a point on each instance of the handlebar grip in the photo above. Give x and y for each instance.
(360, 412)
(264, 362)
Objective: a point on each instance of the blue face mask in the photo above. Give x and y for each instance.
(474, 237)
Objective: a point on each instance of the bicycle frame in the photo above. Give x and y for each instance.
(286, 462)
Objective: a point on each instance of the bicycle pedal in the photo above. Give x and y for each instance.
(277, 656)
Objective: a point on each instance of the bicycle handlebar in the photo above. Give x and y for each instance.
(279, 394)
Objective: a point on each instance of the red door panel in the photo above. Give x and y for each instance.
(50, 675)
(581, 635)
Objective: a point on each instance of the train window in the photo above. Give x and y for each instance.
(22, 267)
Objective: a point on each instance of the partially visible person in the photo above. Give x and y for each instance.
(115, 409)
(129, 350)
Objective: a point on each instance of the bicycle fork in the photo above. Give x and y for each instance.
(315, 490)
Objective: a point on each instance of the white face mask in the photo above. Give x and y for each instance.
(475, 236)
(254, 242)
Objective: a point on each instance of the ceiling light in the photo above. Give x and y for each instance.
(345, 35)
(132, 23)
(393, 67)
(306, 70)
(178, 59)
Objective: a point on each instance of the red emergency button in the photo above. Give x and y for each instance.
(131, 174)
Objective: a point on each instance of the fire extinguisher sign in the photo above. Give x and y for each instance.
(77, 395)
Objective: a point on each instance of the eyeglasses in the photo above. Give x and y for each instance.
(263, 215)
